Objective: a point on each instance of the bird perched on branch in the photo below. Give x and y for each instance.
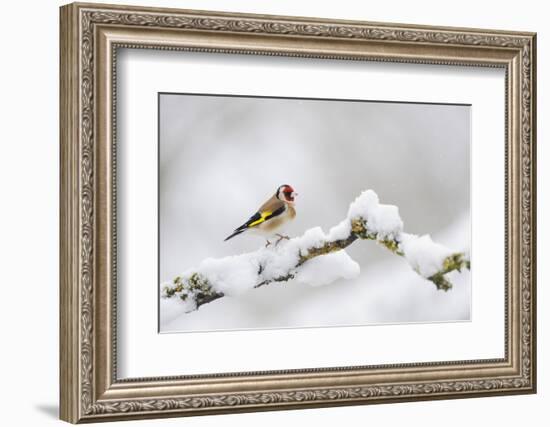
(277, 211)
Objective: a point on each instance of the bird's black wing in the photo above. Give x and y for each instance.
(257, 219)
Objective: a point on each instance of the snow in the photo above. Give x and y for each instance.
(175, 307)
(314, 237)
(386, 292)
(231, 275)
(185, 302)
(235, 275)
(324, 270)
(340, 231)
(382, 220)
(279, 260)
(424, 255)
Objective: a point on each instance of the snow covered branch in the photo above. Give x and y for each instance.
(317, 258)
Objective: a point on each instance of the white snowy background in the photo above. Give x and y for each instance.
(221, 157)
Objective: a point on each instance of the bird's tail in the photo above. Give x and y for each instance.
(235, 233)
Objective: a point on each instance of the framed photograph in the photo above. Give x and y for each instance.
(266, 212)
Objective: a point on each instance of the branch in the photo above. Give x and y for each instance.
(316, 257)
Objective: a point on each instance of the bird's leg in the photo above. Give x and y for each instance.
(281, 237)
(267, 243)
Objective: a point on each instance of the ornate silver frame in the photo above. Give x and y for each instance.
(90, 36)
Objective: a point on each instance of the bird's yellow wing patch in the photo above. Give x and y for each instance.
(263, 216)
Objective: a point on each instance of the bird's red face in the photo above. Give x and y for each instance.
(286, 193)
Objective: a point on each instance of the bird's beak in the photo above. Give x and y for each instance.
(294, 194)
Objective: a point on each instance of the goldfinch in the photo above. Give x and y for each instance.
(277, 211)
